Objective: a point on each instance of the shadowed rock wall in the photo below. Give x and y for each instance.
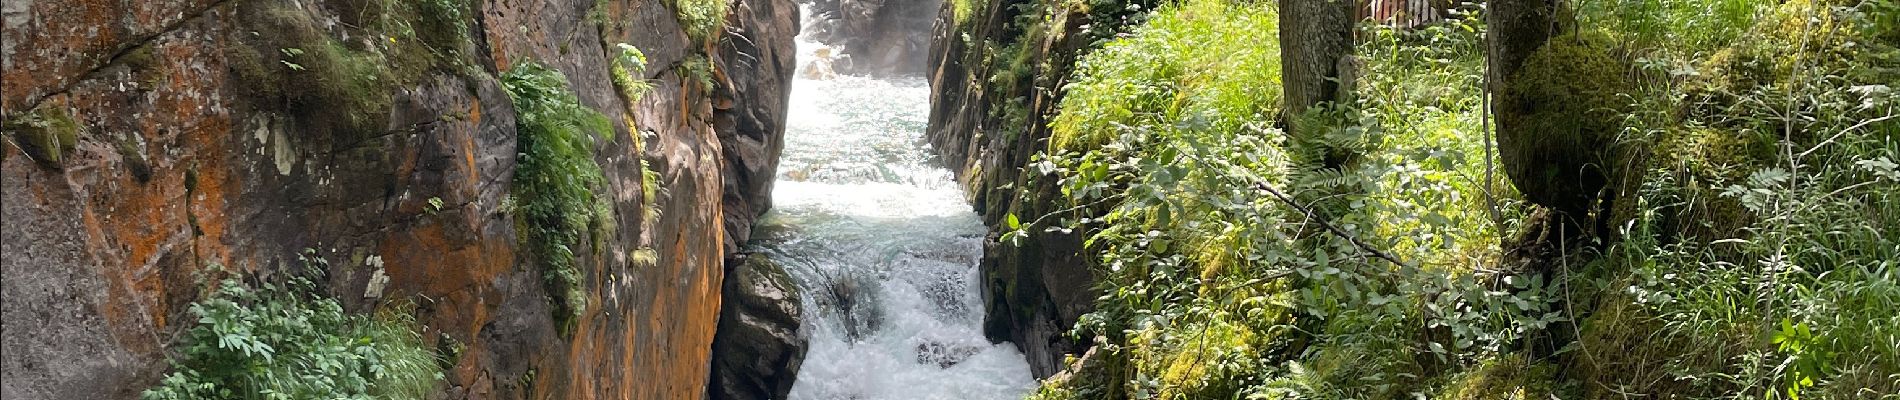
(1033, 292)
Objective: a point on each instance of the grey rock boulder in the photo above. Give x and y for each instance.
(761, 340)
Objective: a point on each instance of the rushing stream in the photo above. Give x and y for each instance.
(885, 249)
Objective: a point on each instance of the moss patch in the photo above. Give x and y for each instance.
(1505, 377)
(1625, 348)
(339, 80)
(47, 134)
(1568, 103)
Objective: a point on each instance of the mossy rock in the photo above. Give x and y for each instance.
(1509, 376)
(285, 59)
(1702, 162)
(1796, 38)
(1625, 347)
(47, 134)
(1559, 119)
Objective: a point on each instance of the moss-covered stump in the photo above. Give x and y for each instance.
(1558, 120)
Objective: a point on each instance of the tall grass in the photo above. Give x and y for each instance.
(1807, 287)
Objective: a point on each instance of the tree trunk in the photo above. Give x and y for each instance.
(1517, 28)
(1314, 36)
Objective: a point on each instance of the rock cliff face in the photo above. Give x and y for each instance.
(239, 133)
(986, 130)
(874, 37)
(749, 109)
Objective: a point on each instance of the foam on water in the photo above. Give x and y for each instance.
(885, 250)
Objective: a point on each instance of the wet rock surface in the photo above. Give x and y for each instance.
(758, 58)
(1035, 292)
(761, 340)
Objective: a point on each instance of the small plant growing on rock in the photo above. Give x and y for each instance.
(701, 17)
(557, 176)
(629, 73)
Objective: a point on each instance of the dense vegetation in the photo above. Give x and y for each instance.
(1749, 252)
(278, 341)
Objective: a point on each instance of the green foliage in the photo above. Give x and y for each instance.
(1177, 242)
(1216, 289)
(1805, 362)
(1799, 299)
(1209, 63)
(443, 24)
(701, 18)
(284, 342)
(961, 11)
(1164, 140)
(699, 70)
(47, 134)
(629, 73)
(556, 177)
(650, 187)
(1663, 29)
(1773, 195)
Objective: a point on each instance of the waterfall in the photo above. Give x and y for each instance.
(885, 250)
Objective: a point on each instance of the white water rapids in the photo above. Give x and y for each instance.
(885, 250)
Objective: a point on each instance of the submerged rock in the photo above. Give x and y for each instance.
(819, 65)
(761, 342)
(944, 355)
(854, 299)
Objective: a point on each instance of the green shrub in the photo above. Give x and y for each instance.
(556, 178)
(284, 342)
(629, 73)
(699, 71)
(701, 18)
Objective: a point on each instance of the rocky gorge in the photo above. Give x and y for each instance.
(949, 199)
